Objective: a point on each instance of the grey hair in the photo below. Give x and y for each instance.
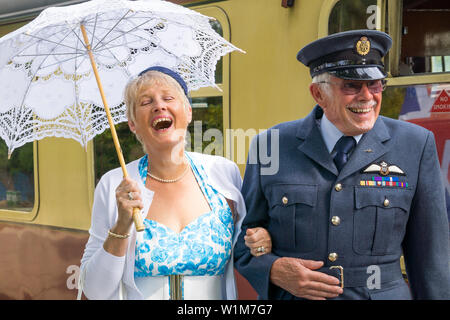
(321, 81)
(149, 78)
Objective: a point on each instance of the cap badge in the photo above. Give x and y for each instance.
(363, 46)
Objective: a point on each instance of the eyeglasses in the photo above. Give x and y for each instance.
(354, 87)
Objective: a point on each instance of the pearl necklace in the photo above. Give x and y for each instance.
(169, 180)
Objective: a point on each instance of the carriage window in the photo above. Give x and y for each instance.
(17, 178)
(350, 15)
(425, 46)
(16, 174)
(206, 128)
(205, 132)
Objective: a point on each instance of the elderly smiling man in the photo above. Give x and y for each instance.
(354, 190)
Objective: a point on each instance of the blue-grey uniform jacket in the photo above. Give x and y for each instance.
(314, 212)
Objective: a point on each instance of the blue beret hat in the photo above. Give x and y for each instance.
(353, 55)
(170, 73)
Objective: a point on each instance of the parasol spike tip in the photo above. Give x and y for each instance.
(9, 154)
(217, 87)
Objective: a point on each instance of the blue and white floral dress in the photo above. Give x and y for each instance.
(199, 252)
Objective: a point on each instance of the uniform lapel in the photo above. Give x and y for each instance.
(370, 148)
(312, 144)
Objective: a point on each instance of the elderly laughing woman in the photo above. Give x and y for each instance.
(191, 202)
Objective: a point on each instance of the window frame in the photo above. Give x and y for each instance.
(394, 9)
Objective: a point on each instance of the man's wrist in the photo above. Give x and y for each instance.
(274, 275)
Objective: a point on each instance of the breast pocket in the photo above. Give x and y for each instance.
(293, 221)
(380, 218)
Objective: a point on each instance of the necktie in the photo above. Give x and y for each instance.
(343, 147)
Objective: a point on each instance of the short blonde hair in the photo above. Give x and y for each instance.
(149, 78)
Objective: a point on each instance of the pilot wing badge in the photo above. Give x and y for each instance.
(384, 169)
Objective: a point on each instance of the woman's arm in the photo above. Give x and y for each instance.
(103, 260)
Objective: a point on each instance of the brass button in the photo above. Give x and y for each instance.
(335, 220)
(386, 202)
(333, 256)
(284, 200)
(338, 187)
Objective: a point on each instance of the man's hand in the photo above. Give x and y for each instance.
(297, 276)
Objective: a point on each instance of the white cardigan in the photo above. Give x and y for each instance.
(105, 276)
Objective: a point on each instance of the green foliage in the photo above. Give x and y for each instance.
(393, 98)
(21, 159)
(17, 172)
(217, 27)
(105, 152)
(211, 118)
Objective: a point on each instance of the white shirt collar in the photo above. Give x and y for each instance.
(331, 134)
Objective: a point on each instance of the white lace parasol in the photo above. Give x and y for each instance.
(47, 84)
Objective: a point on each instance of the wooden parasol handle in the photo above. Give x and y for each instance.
(136, 212)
